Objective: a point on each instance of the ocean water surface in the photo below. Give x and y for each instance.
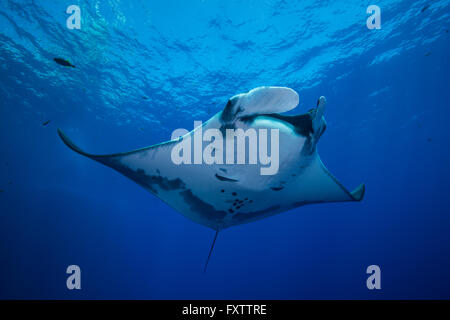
(146, 68)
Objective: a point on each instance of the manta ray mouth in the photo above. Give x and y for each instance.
(309, 123)
(302, 122)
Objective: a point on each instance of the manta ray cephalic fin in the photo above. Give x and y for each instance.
(261, 100)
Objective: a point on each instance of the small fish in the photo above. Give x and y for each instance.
(2, 190)
(427, 54)
(9, 182)
(425, 8)
(144, 98)
(63, 62)
(46, 123)
(429, 139)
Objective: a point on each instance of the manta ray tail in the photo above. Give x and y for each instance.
(210, 251)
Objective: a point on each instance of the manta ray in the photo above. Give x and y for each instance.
(221, 195)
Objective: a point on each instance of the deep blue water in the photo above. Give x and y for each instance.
(145, 68)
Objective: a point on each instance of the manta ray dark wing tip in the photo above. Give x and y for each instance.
(358, 193)
(70, 144)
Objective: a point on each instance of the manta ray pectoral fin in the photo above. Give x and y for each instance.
(336, 192)
(72, 145)
(109, 159)
(358, 193)
(132, 164)
(114, 161)
(323, 186)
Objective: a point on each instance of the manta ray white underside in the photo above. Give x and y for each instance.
(221, 195)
